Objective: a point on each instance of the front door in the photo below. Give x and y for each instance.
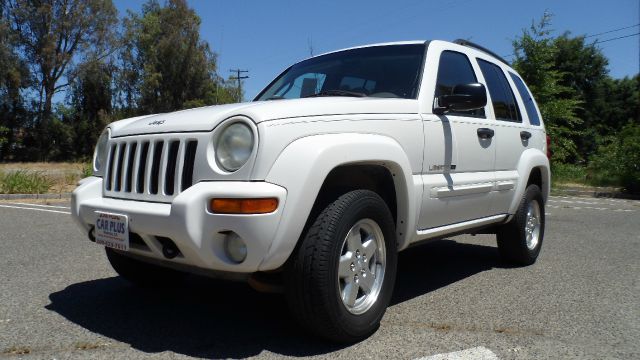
(459, 154)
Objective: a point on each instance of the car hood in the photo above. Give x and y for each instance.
(207, 118)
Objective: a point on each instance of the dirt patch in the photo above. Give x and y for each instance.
(89, 346)
(17, 350)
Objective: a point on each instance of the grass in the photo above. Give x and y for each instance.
(40, 178)
(24, 182)
(582, 176)
(569, 174)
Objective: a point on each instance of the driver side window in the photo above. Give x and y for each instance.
(454, 69)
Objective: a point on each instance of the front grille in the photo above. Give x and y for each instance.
(149, 168)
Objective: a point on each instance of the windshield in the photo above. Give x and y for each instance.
(391, 71)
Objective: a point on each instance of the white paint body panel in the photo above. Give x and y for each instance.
(299, 142)
(198, 233)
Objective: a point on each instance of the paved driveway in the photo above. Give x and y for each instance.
(60, 299)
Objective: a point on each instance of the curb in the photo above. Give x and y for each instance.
(35, 196)
(594, 192)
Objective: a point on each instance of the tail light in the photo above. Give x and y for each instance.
(549, 153)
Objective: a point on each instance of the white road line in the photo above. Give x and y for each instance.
(577, 202)
(586, 198)
(476, 353)
(586, 208)
(610, 203)
(35, 209)
(38, 205)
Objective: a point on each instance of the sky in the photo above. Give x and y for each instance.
(265, 37)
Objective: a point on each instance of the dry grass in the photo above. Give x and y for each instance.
(62, 176)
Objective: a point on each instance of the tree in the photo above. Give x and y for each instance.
(14, 79)
(616, 102)
(53, 35)
(617, 161)
(535, 54)
(165, 65)
(91, 99)
(584, 68)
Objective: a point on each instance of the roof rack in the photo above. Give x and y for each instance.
(478, 47)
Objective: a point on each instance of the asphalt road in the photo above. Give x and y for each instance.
(60, 299)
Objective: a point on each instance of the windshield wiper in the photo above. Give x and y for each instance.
(336, 92)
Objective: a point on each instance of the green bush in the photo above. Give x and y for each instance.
(568, 173)
(617, 161)
(24, 182)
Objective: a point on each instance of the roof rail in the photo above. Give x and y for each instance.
(478, 47)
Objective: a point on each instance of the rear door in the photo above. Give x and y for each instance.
(458, 167)
(512, 134)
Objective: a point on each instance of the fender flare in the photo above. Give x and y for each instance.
(531, 158)
(303, 166)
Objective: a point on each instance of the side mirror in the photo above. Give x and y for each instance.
(464, 97)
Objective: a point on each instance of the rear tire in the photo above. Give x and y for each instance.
(141, 273)
(340, 279)
(520, 240)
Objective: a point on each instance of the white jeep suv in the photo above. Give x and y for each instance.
(341, 162)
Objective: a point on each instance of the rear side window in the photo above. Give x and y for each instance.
(502, 98)
(527, 99)
(455, 69)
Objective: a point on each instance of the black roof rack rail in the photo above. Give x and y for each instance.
(481, 48)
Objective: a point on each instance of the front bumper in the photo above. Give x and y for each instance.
(198, 233)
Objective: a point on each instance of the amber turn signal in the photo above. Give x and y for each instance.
(243, 206)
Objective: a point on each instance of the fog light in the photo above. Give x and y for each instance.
(235, 248)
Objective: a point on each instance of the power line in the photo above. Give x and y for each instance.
(617, 38)
(610, 31)
(239, 77)
(603, 41)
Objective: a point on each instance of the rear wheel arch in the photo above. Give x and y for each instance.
(533, 168)
(539, 175)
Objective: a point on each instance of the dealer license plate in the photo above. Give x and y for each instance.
(112, 230)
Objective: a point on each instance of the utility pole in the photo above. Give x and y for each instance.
(239, 77)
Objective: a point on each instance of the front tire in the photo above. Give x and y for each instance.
(520, 240)
(340, 279)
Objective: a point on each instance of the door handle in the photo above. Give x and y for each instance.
(525, 135)
(485, 133)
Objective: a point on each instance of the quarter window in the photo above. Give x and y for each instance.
(527, 99)
(455, 69)
(502, 98)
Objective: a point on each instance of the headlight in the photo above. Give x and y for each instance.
(234, 146)
(100, 154)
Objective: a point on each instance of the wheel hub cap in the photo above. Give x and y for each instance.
(361, 266)
(532, 225)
